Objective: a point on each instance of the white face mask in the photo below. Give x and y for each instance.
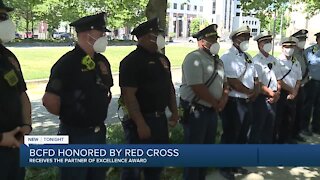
(214, 48)
(288, 51)
(100, 44)
(267, 47)
(161, 42)
(244, 46)
(7, 31)
(301, 44)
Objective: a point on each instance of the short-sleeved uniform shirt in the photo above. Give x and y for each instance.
(267, 69)
(83, 84)
(150, 74)
(300, 56)
(238, 65)
(197, 68)
(12, 85)
(295, 73)
(313, 56)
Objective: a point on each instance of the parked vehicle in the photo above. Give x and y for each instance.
(61, 35)
(18, 36)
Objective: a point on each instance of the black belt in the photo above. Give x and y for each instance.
(196, 105)
(246, 100)
(94, 128)
(154, 114)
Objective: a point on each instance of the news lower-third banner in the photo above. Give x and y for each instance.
(182, 155)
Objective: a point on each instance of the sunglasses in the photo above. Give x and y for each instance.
(4, 16)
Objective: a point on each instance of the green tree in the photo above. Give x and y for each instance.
(265, 11)
(312, 6)
(197, 24)
(25, 9)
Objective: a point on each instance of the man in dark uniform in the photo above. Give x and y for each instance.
(147, 89)
(15, 108)
(79, 91)
(299, 54)
(204, 93)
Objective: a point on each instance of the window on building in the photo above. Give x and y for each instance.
(188, 7)
(214, 7)
(174, 5)
(201, 8)
(182, 7)
(254, 30)
(237, 14)
(238, 6)
(195, 8)
(255, 23)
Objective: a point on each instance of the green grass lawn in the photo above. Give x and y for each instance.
(37, 62)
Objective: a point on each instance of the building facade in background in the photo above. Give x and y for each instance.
(226, 13)
(299, 20)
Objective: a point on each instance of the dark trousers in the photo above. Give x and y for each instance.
(10, 164)
(201, 128)
(83, 136)
(300, 99)
(286, 112)
(236, 119)
(264, 116)
(159, 135)
(311, 109)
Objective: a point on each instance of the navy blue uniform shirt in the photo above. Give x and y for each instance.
(150, 73)
(83, 85)
(12, 85)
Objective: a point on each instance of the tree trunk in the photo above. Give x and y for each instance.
(157, 8)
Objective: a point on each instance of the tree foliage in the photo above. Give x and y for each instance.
(197, 24)
(312, 7)
(120, 13)
(266, 10)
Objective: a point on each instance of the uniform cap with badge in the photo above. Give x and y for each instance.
(243, 44)
(288, 44)
(92, 22)
(241, 30)
(144, 28)
(266, 38)
(300, 34)
(208, 31)
(262, 37)
(289, 41)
